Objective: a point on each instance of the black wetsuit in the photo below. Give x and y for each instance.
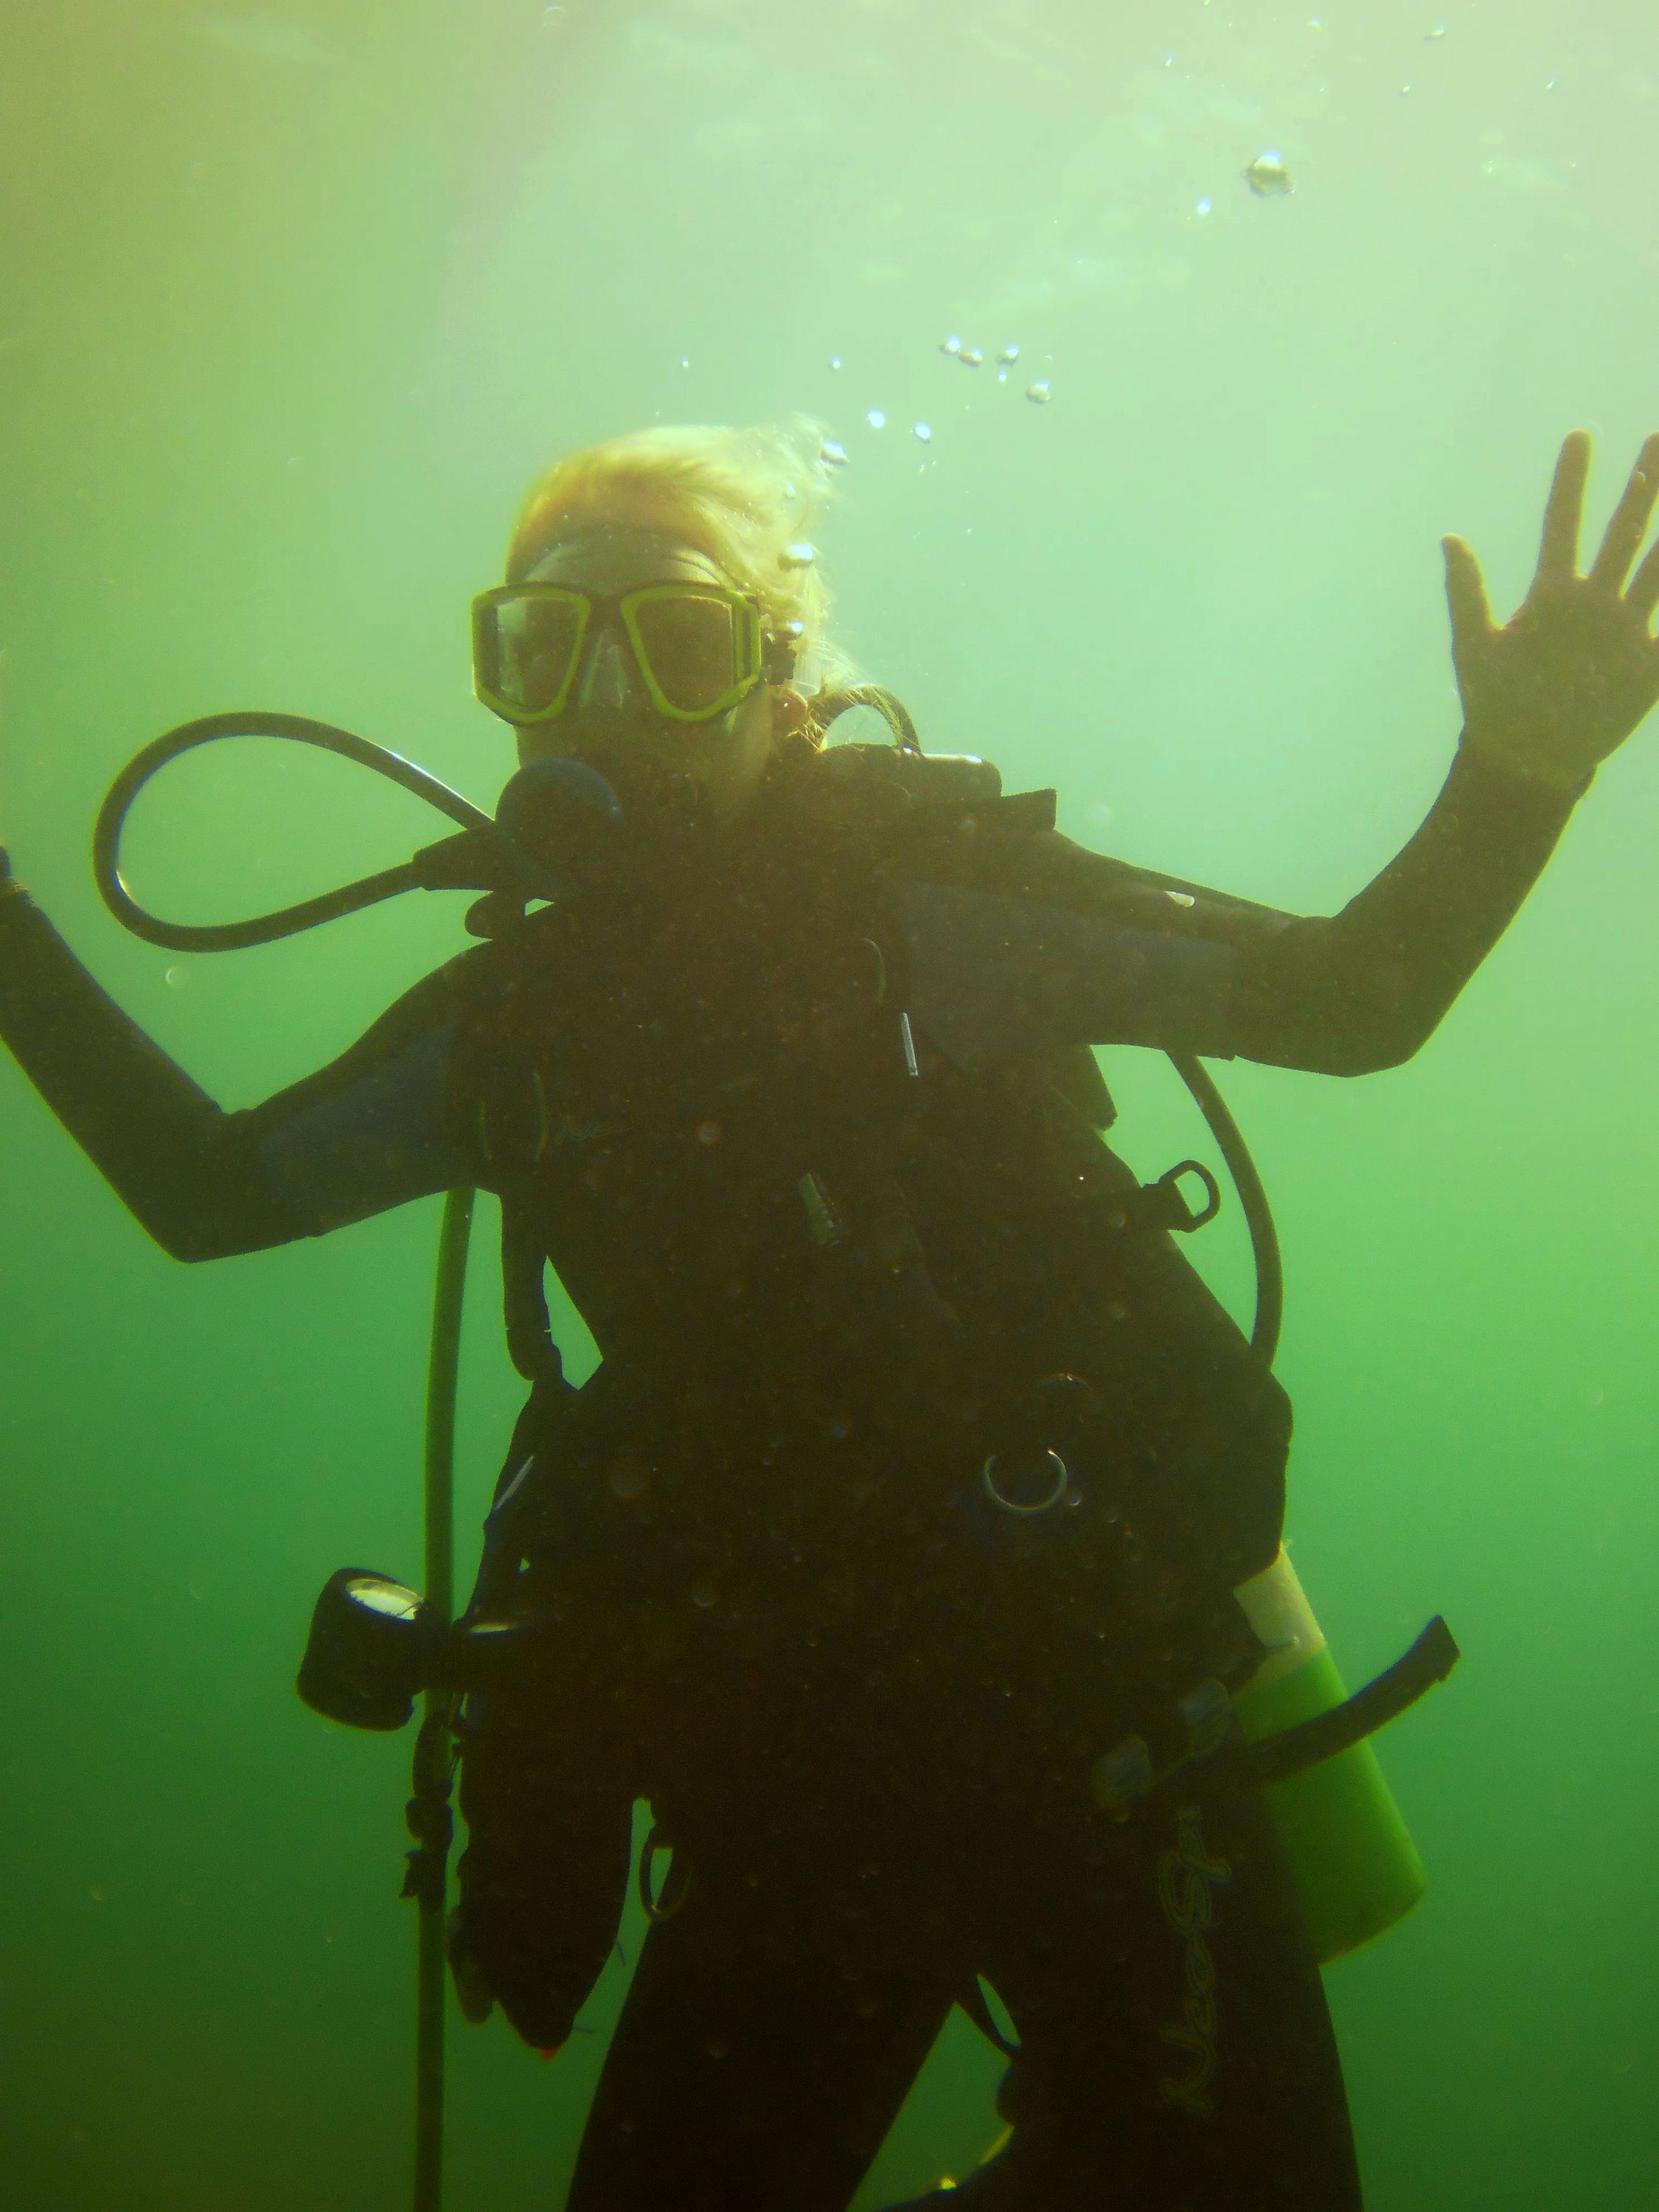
(829, 1259)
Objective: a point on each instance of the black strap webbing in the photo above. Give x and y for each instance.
(1428, 1660)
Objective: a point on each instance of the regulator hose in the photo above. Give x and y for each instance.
(479, 853)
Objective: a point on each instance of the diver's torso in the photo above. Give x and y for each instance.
(741, 1161)
(823, 1263)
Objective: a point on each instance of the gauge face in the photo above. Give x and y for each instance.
(395, 1600)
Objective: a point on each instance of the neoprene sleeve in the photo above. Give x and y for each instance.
(169, 1151)
(1340, 994)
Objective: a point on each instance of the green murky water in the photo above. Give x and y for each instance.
(293, 303)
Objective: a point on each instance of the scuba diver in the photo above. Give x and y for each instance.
(919, 1468)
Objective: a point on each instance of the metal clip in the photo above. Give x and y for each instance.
(911, 1064)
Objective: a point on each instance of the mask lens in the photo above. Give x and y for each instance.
(691, 645)
(524, 650)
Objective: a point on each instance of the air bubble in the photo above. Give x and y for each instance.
(834, 452)
(800, 554)
(876, 419)
(924, 432)
(1268, 175)
(950, 345)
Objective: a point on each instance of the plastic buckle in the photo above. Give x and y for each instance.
(1206, 1714)
(1121, 1777)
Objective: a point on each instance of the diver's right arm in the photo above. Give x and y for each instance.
(369, 1132)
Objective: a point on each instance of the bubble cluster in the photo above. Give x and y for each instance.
(972, 356)
(832, 454)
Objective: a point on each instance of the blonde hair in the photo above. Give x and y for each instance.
(748, 498)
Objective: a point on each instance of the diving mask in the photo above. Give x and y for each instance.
(699, 649)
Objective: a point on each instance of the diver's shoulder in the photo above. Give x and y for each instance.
(1011, 846)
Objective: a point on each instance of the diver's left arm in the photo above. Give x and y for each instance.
(1045, 944)
(1351, 992)
(1547, 698)
(1031, 941)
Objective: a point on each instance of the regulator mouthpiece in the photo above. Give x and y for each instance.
(562, 824)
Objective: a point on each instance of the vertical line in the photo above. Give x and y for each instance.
(433, 1753)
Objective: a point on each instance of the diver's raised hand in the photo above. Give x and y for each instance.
(1567, 677)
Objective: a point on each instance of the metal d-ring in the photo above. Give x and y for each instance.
(1058, 1469)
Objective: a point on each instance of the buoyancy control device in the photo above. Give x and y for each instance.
(376, 1645)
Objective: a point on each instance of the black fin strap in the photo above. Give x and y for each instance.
(1430, 1660)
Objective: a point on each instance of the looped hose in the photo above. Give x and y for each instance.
(285, 922)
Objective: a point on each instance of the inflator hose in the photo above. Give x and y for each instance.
(1252, 1196)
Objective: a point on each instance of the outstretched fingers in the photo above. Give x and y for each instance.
(1558, 557)
(1466, 592)
(1631, 518)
